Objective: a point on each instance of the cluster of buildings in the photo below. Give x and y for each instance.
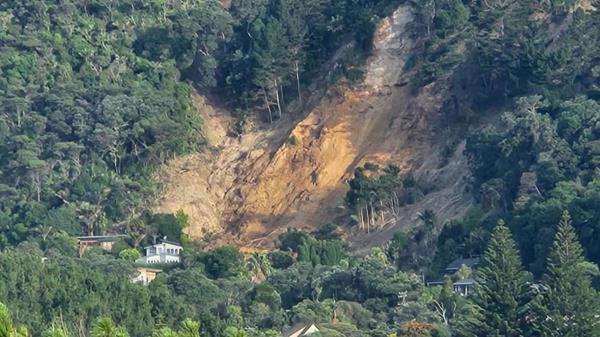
(169, 252)
(165, 252)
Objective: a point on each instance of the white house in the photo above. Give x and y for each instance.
(164, 252)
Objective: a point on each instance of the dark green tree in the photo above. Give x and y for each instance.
(567, 305)
(501, 290)
(224, 261)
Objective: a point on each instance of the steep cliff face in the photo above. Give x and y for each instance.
(253, 188)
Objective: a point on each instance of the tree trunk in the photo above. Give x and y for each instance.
(298, 82)
(368, 218)
(282, 98)
(18, 116)
(361, 224)
(268, 105)
(277, 96)
(36, 181)
(382, 215)
(373, 215)
(441, 310)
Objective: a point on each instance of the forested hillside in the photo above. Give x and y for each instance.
(536, 61)
(97, 95)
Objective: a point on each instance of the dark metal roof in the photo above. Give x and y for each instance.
(101, 238)
(469, 262)
(465, 282)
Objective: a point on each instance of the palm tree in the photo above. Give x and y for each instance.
(6, 324)
(105, 327)
(44, 231)
(164, 332)
(259, 266)
(232, 331)
(7, 328)
(55, 331)
(189, 328)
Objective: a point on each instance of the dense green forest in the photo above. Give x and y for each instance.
(96, 94)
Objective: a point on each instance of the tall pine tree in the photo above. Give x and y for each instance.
(568, 306)
(501, 291)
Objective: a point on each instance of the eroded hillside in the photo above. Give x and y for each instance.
(249, 189)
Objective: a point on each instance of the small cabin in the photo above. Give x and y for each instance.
(145, 275)
(464, 287)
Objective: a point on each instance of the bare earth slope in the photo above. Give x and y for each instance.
(252, 189)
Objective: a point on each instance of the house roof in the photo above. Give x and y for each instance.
(101, 238)
(300, 329)
(152, 270)
(469, 262)
(165, 242)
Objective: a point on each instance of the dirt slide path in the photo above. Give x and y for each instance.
(250, 190)
(200, 183)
